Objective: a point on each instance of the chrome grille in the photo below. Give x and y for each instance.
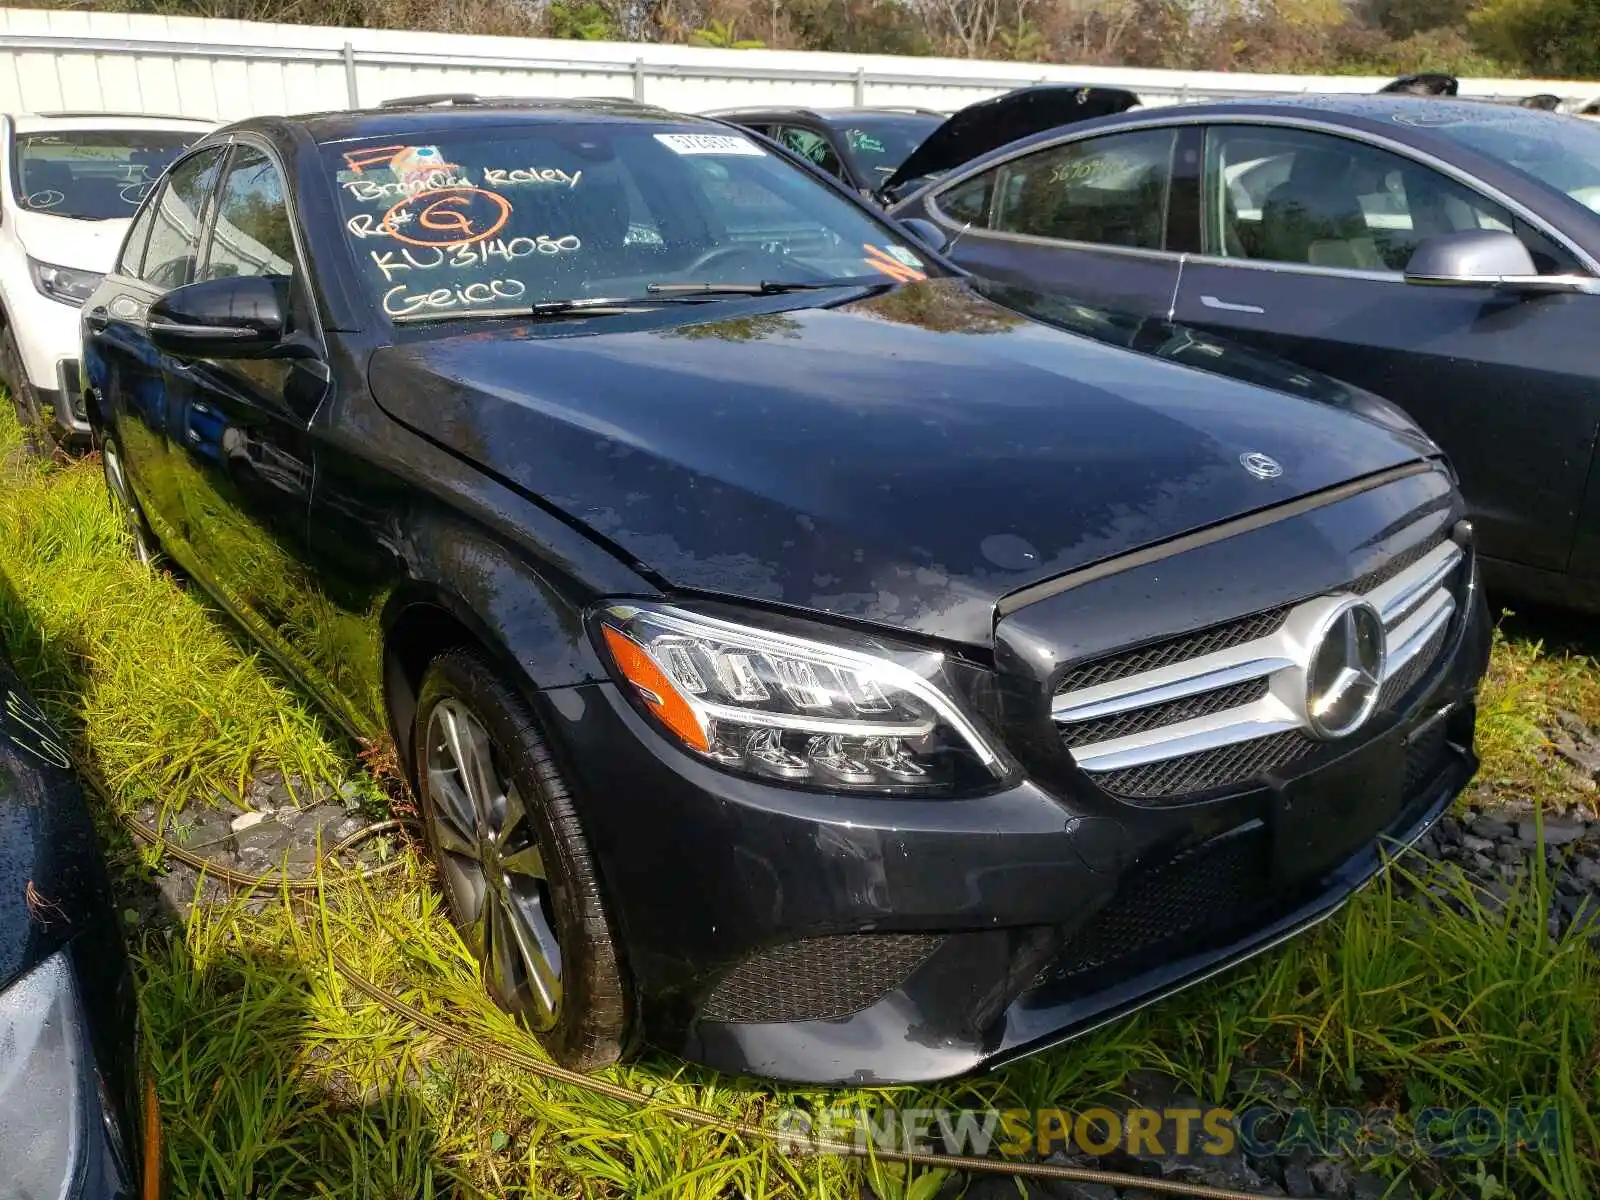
(1192, 645)
(1223, 706)
(1202, 704)
(1208, 769)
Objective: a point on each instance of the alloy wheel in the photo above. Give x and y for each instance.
(122, 501)
(493, 866)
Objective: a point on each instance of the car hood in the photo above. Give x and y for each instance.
(905, 459)
(52, 880)
(68, 242)
(981, 127)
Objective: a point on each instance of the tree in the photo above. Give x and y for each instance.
(723, 35)
(970, 27)
(586, 22)
(1545, 37)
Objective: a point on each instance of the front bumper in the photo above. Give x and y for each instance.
(49, 339)
(828, 939)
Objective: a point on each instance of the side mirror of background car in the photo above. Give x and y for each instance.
(1486, 258)
(929, 234)
(237, 317)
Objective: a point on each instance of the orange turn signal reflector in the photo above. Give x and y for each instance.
(659, 692)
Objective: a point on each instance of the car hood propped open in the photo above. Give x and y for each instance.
(981, 127)
(905, 459)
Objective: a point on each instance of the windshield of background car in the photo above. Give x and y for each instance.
(506, 217)
(1560, 151)
(878, 145)
(91, 174)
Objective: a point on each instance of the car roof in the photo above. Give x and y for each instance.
(453, 113)
(1410, 119)
(827, 115)
(39, 122)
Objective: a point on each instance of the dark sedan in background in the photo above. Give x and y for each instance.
(862, 147)
(70, 1114)
(1303, 227)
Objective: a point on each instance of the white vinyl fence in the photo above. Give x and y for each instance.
(52, 61)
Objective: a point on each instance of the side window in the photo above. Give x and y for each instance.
(811, 146)
(131, 261)
(968, 203)
(1290, 195)
(1110, 191)
(169, 261)
(250, 235)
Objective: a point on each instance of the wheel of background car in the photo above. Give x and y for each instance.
(30, 413)
(145, 546)
(516, 868)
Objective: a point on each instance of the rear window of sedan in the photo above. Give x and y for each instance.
(509, 216)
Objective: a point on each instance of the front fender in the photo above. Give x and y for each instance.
(466, 586)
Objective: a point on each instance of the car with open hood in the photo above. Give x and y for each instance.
(1442, 253)
(71, 184)
(808, 660)
(886, 152)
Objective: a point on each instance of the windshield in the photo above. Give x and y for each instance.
(1560, 151)
(510, 217)
(878, 145)
(92, 174)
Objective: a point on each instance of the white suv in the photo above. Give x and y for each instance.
(69, 185)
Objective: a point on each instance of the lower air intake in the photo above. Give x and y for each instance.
(1209, 889)
(818, 979)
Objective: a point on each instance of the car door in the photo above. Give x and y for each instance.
(1088, 218)
(241, 451)
(1305, 238)
(121, 364)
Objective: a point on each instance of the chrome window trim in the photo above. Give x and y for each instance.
(1275, 120)
(1414, 606)
(1034, 239)
(1289, 268)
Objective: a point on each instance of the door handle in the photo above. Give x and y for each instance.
(1227, 306)
(97, 319)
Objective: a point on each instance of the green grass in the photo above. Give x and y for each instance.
(275, 1078)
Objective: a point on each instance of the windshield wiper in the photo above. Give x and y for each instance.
(767, 287)
(612, 306)
(588, 306)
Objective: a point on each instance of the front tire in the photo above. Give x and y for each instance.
(145, 546)
(515, 866)
(30, 413)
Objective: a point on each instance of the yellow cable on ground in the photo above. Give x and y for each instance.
(690, 1116)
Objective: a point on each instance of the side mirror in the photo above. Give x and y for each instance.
(929, 234)
(238, 317)
(1489, 258)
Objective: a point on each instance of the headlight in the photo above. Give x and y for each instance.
(41, 1081)
(66, 284)
(850, 713)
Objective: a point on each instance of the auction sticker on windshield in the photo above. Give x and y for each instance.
(709, 143)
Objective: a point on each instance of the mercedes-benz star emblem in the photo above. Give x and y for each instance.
(1260, 465)
(1346, 670)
